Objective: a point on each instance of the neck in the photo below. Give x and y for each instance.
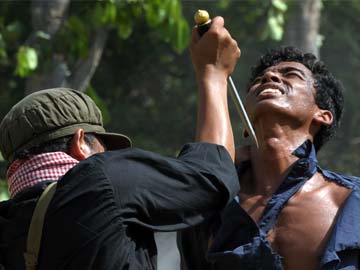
(26, 173)
(272, 161)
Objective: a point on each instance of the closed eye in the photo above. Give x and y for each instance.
(293, 74)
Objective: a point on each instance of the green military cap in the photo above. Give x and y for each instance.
(51, 114)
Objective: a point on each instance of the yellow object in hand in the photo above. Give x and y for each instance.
(201, 17)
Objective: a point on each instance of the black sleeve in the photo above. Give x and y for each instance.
(168, 194)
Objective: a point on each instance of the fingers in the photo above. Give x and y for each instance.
(238, 52)
(216, 48)
(217, 23)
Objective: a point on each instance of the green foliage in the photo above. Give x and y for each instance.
(27, 61)
(275, 21)
(125, 24)
(164, 16)
(262, 20)
(76, 31)
(21, 51)
(4, 195)
(280, 5)
(42, 35)
(172, 27)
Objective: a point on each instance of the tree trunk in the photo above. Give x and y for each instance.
(48, 17)
(85, 68)
(302, 25)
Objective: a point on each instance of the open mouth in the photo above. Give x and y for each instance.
(270, 89)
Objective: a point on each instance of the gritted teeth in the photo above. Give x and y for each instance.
(272, 90)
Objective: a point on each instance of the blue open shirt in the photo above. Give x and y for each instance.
(240, 242)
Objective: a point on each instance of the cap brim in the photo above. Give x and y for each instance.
(114, 141)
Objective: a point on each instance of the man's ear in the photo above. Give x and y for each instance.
(323, 117)
(78, 147)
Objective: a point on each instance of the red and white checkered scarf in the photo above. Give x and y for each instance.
(26, 173)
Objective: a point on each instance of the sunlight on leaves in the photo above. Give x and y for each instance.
(27, 61)
(280, 5)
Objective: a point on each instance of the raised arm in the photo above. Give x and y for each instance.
(214, 56)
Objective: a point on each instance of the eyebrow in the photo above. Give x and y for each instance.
(282, 70)
(288, 69)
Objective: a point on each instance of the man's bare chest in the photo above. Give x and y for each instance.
(303, 226)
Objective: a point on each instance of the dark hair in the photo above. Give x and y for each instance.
(57, 145)
(329, 90)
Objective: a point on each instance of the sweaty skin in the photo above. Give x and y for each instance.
(282, 107)
(214, 57)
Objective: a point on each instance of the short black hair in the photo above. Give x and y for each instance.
(58, 145)
(329, 90)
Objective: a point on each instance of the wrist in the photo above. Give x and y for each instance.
(210, 76)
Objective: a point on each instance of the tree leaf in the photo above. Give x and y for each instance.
(109, 16)
(182, 37)
(4, 195)
(43, 35)
(275, 28)
(78, 33)
(280, 5)
(124, 25)
(319, 40)
(27, 61)
(153, 14)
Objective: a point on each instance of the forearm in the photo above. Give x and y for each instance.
(213, 121)
(214, 56)
(171, 193)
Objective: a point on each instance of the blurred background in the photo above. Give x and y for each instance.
(131, 57)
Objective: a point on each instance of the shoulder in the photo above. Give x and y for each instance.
(349, 181)
(345, 235)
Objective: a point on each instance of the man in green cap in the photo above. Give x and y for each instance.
(107, 204)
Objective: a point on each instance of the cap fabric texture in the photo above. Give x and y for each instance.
(51, 114)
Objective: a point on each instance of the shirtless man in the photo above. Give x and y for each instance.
(290, 214)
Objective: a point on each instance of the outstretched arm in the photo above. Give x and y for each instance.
(214, 57)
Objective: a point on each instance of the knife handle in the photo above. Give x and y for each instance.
(203, 21)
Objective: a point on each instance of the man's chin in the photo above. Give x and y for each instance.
(267, 108)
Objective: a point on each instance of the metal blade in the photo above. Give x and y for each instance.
(241, 110)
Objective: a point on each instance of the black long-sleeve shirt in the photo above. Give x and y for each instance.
(106, 208)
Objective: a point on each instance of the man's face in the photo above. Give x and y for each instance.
(285, 88)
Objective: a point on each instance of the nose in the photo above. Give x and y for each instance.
(270, 76)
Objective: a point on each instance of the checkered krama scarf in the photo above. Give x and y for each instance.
(28, 172)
